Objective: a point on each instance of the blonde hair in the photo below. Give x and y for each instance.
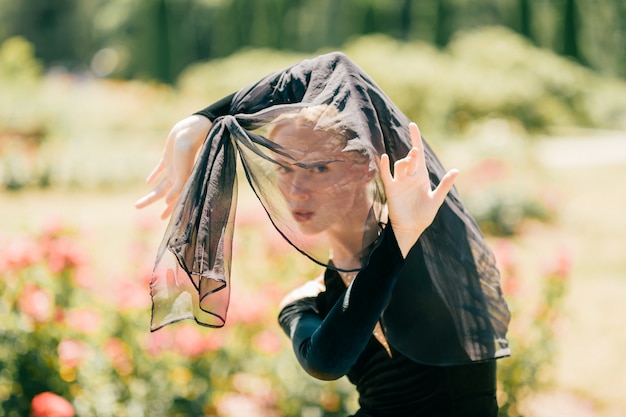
(321, 117)
(326, 119)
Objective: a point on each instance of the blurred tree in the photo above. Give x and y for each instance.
(525, 19)
(570, 30)
(60, 29)
(156, 39)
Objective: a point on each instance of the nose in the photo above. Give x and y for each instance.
(299, 186)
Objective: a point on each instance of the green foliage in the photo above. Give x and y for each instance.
(17, 62)
(217, 78)
(489, 73)
(51, 127)
(22, 129)
(158, 39)
(482, 74)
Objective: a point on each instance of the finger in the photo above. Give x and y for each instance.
(173, 194)
(385, 170)
(412, 162)
(160, 167)
(416, 136)
(146, 200)
(445, 185)
(168, 211)
(156, 194)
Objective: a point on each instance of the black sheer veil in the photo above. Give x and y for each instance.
(350, 122)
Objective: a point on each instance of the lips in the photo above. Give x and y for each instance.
(302, 215)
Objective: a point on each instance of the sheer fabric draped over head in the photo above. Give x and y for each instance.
(309, 138)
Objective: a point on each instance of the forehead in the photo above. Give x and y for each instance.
(303, 142)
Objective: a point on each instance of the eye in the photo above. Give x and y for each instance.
(283, 169)
(320, 169)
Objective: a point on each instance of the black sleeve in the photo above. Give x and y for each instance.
(327, 349)
(217, 109)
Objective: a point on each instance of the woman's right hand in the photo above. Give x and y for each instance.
(412, 202)
(176, 163)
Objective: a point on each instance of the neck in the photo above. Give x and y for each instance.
(350, 243)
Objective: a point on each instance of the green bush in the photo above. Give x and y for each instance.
(82, 335)
(535, 324)
(79, 131)
(485, 73)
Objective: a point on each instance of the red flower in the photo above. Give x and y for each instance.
(48, 404)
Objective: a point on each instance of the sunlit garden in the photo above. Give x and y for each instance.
(541, 145)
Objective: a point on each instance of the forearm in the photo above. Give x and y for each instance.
(328, 349)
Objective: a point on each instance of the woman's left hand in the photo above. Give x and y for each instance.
(176, 163)
(412, 203)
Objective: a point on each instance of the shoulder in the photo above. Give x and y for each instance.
(309, 289)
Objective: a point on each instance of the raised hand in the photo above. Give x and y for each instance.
(176, 163)
(412, 202)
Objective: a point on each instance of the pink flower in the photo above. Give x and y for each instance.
(504, 252)
(36, 303)
(64, 253)
(268, 342)
(19, 253)
(239, 405)
(213, 341)
(487, 172)
(48, 404)
(84, 320)
(53, 226)
(119, 354)
(561, 265)
(131, 295)
(158, 341)
(72, 353)
(247, 308)
(188, 340)
(84, 277)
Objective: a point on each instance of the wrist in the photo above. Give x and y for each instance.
(406, 238)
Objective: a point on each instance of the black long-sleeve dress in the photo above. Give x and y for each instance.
(331, 333)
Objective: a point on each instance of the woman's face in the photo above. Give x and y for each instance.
(324, 187)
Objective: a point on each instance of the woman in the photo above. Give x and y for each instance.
(409, 308)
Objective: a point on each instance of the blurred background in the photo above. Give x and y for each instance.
(526, 98)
